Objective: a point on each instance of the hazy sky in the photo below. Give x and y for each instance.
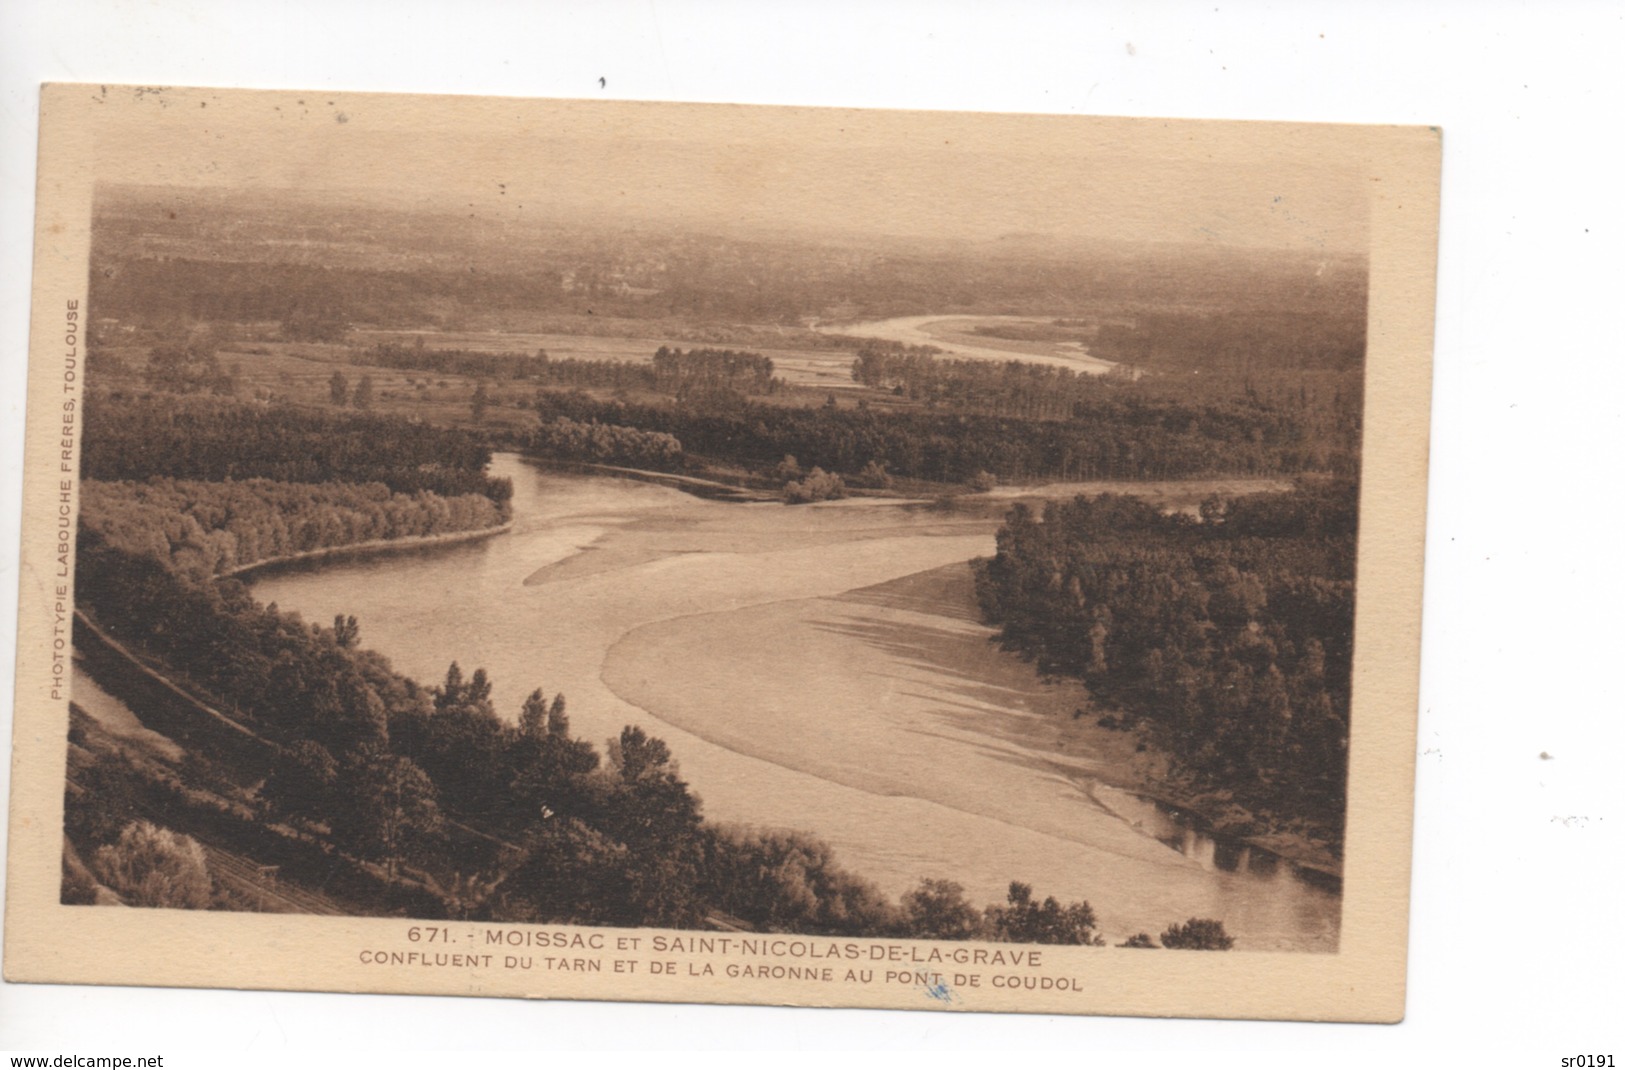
(887, 173)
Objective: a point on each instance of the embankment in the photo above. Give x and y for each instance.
(164, 707)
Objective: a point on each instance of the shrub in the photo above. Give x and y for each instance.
(874, 475)
(154, 867)
(1024, 920)
(937, 910)
(787, 469)
(302, 781)
(1198, 934)
(107, 804)
(817, 487)
(781, 881)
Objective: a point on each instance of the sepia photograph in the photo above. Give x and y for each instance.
(724, 553)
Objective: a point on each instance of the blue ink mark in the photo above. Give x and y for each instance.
(941, 991)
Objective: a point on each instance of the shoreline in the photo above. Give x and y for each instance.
(1152, 775)
(361, 549)
(709, 489)
(876, 852)
(1216, 818)
(1149, 775)
(922, 492)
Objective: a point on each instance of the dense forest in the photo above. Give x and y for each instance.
(1229, 640)
(672, 370)
(570, 440)
(1112, 436)
(130, 437)
(1308, 415)
(205, 529)
(703, 371)
(535, 367)
(476, 365)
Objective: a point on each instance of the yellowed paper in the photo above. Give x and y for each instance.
(819, 672)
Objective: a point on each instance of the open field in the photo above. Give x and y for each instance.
(821, 368)
(299, 371)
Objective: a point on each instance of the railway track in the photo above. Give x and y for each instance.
(260, 882)
(245, 877)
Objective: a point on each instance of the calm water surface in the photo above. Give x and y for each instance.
(746, 637)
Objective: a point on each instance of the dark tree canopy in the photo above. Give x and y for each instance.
(1230, 641)
(1197, 934)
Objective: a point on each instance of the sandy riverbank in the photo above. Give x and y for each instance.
(824, 685)
(818, 668)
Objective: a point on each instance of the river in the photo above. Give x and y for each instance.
(952, 334)
(820, 668)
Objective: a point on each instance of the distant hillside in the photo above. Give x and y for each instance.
(161, 254)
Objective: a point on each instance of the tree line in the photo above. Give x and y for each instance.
(1293, 377)
(1045, 392)
(471, 363)
(1128, 438)
(672, 370)
(203, 529)
(705, 370)
(135, 437)
(1228, 640)
(572, 440)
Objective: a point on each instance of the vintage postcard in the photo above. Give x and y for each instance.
(955, 562)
